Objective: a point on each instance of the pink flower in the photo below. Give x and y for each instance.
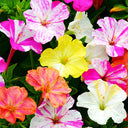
(14, 103)
(2, 65)
(20, 37)
(103, 70)
(112, 34)
(81, 5)
(46, 19)
(62, 117)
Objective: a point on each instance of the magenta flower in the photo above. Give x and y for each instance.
(2, 65)
(46, 19)
(103, 70)
(20, 37)
(61, 117)
(112, 34)
(81, 5)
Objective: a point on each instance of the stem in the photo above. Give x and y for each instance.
(12, 51)
(31, 59)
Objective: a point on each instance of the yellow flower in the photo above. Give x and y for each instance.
(67, 57)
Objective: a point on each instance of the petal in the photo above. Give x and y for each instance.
(114, 51)
(59, 12)
(72, 119)
(1, 81)
(82, 5)
(90, 76)
(16, 95)
(41, 8)
(41, 122)
(2, 65)
(33, 22)
(43, 34)
(68, 1)
(28, 107)
(5, 28)
(101, 66)
(33, 79)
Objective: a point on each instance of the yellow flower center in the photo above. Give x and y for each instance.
(64, 61)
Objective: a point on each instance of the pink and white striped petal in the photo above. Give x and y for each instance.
(1, 81)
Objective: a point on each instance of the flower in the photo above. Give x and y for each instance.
(2, 65)
(14, 103)
(81, 26)
(103, 70)
(103, 101)
(67, 57)
(53, 86)
(46, 19)
(1, 81)
(81, 5)
(95, 51)
(62, 117)
(112, 34)
(20, 37)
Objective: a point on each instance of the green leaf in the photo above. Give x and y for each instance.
(29, 87)
(9, 75)
(95, 14)
(126, 2)
(123, 124)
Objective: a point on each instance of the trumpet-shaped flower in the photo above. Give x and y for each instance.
(46, 19)
(62, 117)
(103, 101)
(67, 57)
(81, 26)
(14, 103)
(53, 86)
(20, 37)
(103, 70)
(112, 34)
(95, 51)
(81, 5)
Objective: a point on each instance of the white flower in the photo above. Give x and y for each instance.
(81, 26)
(95, 51)
(103, 101)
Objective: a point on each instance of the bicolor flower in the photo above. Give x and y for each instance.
(67, 57)
(81, 26)
(14, 103)
(81, 5)
(103, 70)
(1, 81)
(103, 101)
(46, 19)
(20, 37)
(62, 117)
(95, 51)
(112, 34)
(3, 65)
(53, 86)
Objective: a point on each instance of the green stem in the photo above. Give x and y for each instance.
(31, 59)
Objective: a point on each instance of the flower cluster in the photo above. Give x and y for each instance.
(74, 64)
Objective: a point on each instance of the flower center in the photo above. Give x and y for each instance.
(44, 23)
(64, 61)
(112, 41)
(11, 108)
(102, 106)
(56, 120)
